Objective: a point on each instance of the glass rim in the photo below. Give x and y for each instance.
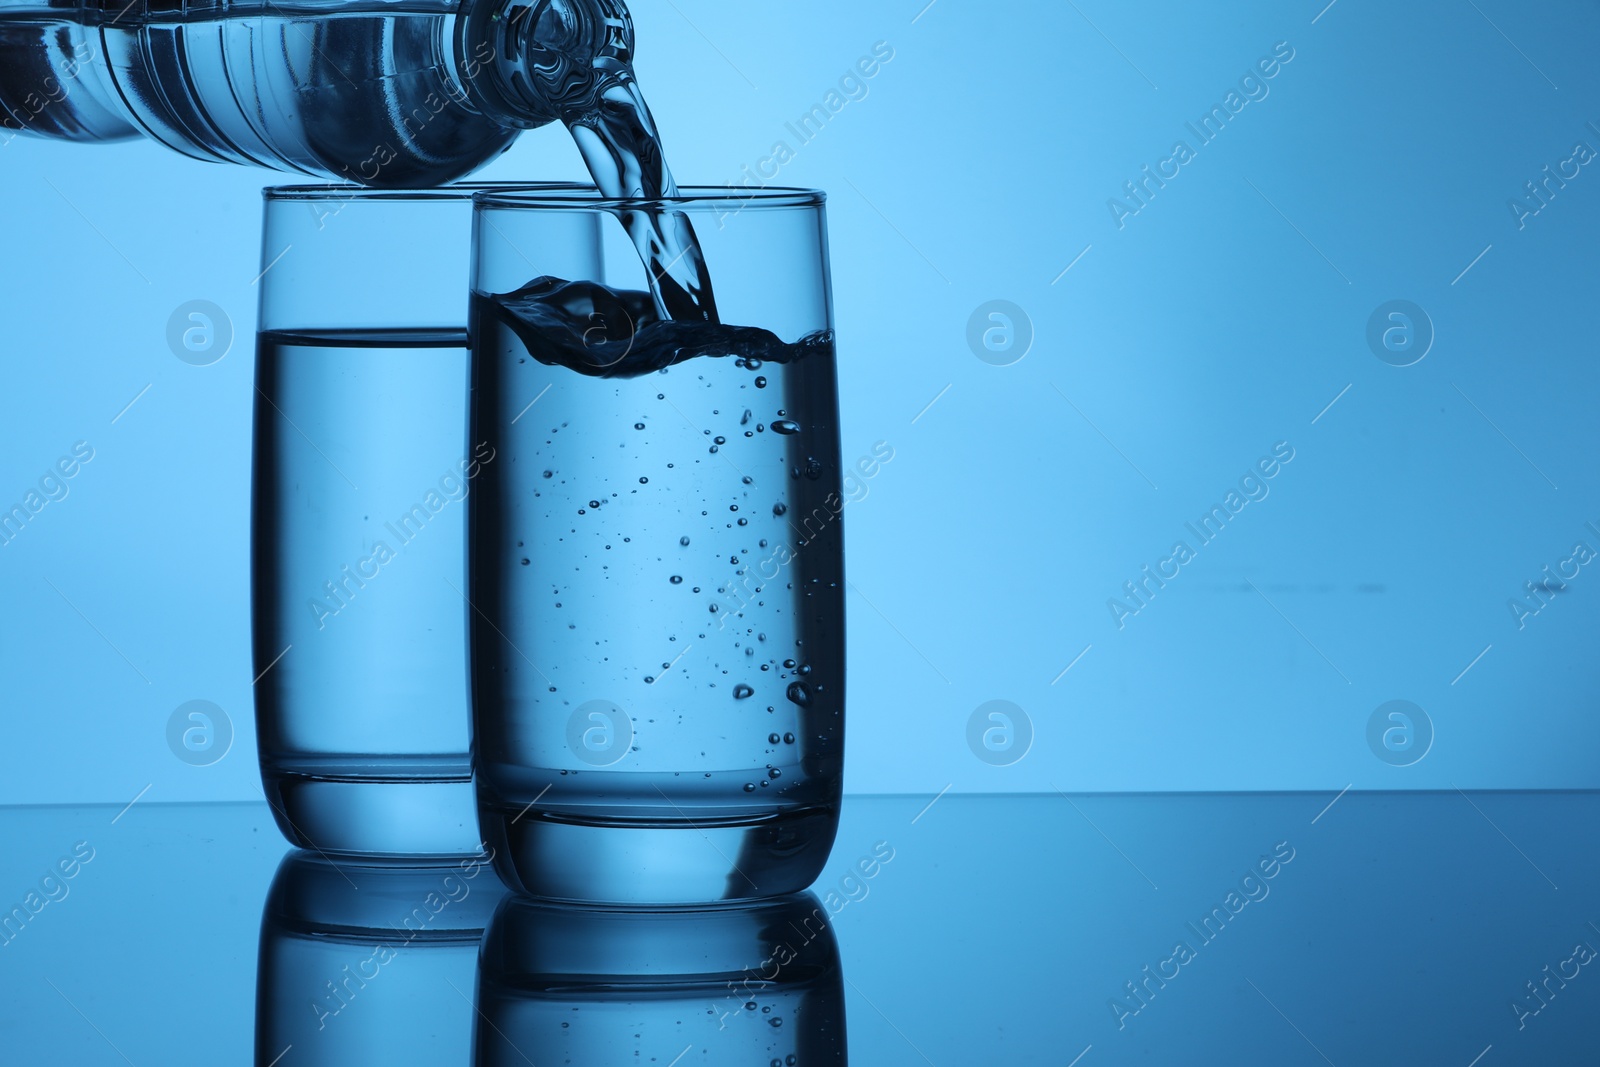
(455, 191)
(578, 196)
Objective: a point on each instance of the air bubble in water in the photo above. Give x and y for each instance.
(742, 692)
(798, 693)
(785, 426)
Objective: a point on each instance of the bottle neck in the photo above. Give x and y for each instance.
(525, 63)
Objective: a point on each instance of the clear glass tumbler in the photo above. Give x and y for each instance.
(362, 464)
(656, 557)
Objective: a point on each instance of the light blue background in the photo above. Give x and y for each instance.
(1175, 352)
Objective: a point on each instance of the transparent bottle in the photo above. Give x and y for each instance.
(403, 94)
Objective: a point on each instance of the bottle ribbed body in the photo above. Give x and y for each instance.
(363, 92)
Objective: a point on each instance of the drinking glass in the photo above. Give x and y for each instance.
(359, 527)
(656, 553)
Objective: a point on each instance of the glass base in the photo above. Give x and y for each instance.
(375, 816)
(556, 856)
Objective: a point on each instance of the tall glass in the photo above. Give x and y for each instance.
(362, 464)
(656, 565)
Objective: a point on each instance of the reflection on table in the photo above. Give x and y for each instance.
(757, 984)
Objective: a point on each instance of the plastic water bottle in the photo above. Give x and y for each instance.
(383, 93)
(391, 94)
